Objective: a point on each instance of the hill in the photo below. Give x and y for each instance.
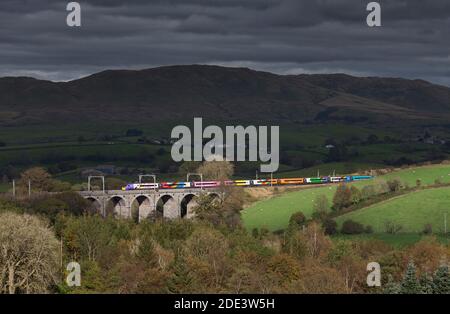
(219, 93)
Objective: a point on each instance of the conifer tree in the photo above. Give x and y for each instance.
(426, 283)
(441, 280)
(391, 286)
(410, 284)
(181, 279)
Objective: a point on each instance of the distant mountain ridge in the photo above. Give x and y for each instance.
(182, 92)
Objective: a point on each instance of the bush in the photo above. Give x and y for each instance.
(427, 229)
(368, 229)
(263, 232)
(329, 226)
(297, 219)
(391, 227)
(394, 185)
(352, 227)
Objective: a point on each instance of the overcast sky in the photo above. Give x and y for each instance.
(281, 36)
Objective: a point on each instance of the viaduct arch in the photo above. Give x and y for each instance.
(146, 204)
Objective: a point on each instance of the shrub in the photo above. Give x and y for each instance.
(329, 226)
(394, 185)
(427, 229)
(263, 232)
(297, 219)
(391, 227)
(368, 229)
(352, 227)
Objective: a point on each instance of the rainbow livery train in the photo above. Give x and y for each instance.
(243, 183)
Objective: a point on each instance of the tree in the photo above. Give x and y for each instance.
(39, 178)
(29, 255)
(342, 197)
(320, 207)
(410, 284)
(49, 206)
(441, 280)
(182, 280)
(427, 285)
(329, 226)
(225, 212)
(315, 240)
(87, 236)
(356, 194)
(216, 170)
(352, 227)
(297, 219)
(206, 252)
(394, 185)
(76, 204)
(391, 286)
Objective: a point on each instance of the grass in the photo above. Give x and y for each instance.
(412, 211)
(274, 213)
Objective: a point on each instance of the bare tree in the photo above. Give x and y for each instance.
(216, 170)
(28, 254)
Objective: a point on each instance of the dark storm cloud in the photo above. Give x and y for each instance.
(283, 36)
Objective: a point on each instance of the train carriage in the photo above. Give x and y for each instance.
(244, 183)
(313, 180)
(175, 185)
(291, 181)
(207, 184)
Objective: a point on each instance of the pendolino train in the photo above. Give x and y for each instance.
(243, 183)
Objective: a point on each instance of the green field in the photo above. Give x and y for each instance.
(274, 213)
(412, 211)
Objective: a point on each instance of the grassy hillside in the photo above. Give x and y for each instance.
(274, 213)
(412, 211)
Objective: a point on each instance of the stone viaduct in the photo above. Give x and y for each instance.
(142, 204)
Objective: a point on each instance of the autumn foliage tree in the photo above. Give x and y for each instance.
(29, 254)
(342, 197)
(216, 170)
(39, 179)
